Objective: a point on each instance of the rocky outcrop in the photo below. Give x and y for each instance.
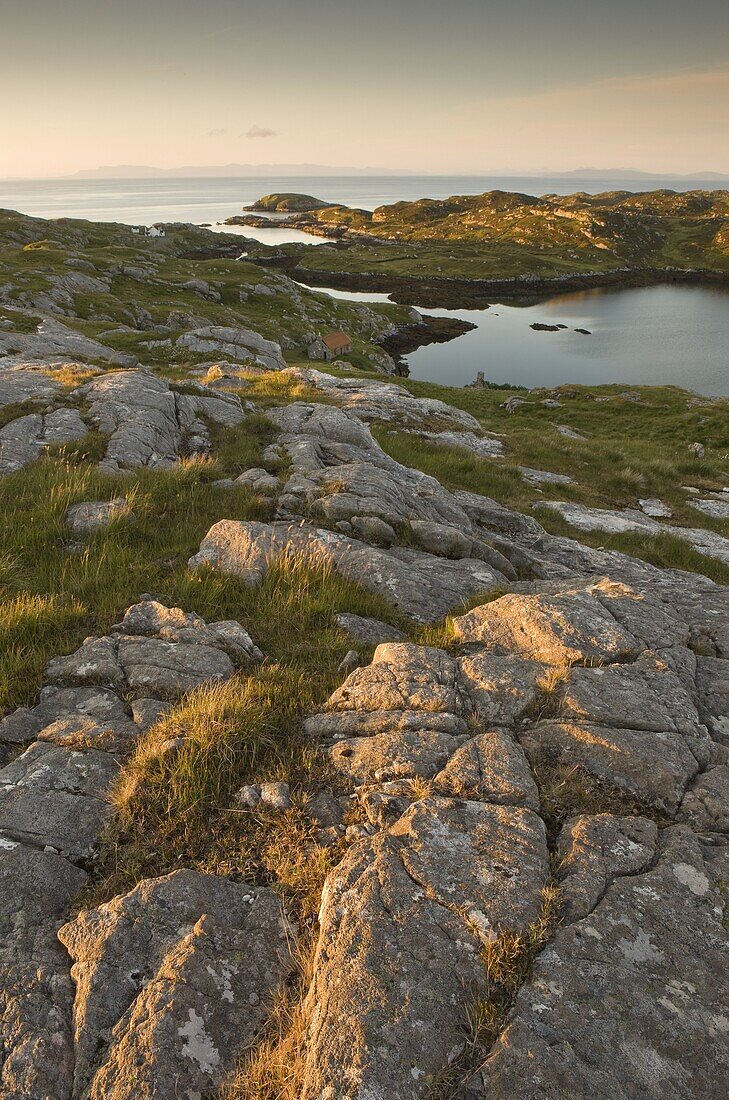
(240, 345)
(341, 474)
(210, 953)
(147, 423)
(544, 477)
(533, 812)
(625, 1002)
(402, 921)
(595, 686)
(54, 341)
(709, 543)
(172, 981)
(36, 992)
(418, 584)
(716, 506)
(484, 446)
(386, 401)
(24, 440)
(26, 383)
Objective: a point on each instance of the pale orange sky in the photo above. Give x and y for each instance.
(480, 86)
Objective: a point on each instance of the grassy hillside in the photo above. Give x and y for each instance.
(503, 235)
(137, 295)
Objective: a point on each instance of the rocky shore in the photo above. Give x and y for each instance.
(430, 292)
(429, 330)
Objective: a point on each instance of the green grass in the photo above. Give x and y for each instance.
(175, 809)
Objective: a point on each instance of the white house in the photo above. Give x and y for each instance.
(152, 231)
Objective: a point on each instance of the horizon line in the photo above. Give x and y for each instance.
(326, 171)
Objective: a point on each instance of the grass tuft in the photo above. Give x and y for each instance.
(508, 960)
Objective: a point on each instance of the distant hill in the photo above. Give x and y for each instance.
(506, 234)
(209, 171)
(632, 174)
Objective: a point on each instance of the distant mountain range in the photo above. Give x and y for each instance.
(145, 171)
(633, 174)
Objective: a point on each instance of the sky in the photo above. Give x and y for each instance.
(436, 86)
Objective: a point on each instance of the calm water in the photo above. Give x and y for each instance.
(656, 335)
(663, 335)
(212, 200)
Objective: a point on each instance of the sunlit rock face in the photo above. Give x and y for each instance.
(591, 690)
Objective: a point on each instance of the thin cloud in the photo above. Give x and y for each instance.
(220, 132)
(260, 132)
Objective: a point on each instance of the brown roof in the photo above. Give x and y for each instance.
(336, 340)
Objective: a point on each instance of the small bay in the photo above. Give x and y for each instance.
(653, 336)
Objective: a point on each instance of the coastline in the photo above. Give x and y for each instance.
(430, 330)
(443, 292)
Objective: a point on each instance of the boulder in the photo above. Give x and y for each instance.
(173, 981)
(490, 767)
(419, 585)
(421, 677)
(655, 508)
(167, 670)
(368, 631)
(259, 481)
(90, 515)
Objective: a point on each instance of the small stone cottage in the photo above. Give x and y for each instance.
(330, 346)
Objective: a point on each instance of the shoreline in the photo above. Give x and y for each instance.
(453, 293)
(430, 330)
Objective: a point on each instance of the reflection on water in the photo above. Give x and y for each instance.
(660, 335)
